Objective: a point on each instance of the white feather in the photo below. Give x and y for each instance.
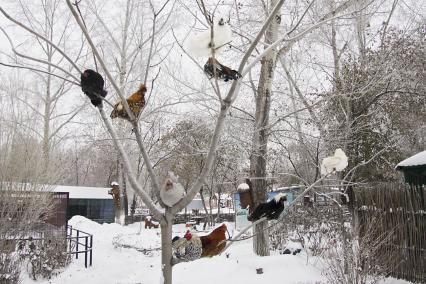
(173, 194)
(199, 45)
(279, 196)
(338, 162)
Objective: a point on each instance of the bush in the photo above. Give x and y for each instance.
(44, 258)
(9, 268)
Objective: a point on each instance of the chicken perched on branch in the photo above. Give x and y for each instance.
(215, 242)
(202, 44)
(223, 72)
(186, 249)
(271, 210)
(92, 84)
(172, 191)
(136, 103)
(336, 163)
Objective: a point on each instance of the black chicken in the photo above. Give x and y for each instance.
(271, 210)
(222, 72)
(92, 84)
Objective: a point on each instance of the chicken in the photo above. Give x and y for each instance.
(271, 210)
(115, 192)
(172, 191)
(201, 44)
(215, 242)
(222, 72)
(338, 162)
(150, 223)
(92, 84)
(186, 249)
(136, 103)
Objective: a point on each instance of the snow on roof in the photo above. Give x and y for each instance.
(418, 159)
(243, 186)
(82, 192)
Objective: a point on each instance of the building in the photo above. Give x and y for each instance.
(91, 202)
(414, 169)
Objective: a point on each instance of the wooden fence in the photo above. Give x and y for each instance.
(400, 213)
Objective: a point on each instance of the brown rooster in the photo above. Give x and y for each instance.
(136, 103)
(222, 72)
(214, 243)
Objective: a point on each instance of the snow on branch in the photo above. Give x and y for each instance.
(145, 197)
(290, 41)
(157, 212)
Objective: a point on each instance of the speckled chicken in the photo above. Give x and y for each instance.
(186, 249)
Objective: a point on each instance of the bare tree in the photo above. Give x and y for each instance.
(225, 102)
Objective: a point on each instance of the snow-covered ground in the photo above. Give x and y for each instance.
(127, 265)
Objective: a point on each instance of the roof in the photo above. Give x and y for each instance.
(243, 187)
(75, 192)
(82, 192)
(418, 159)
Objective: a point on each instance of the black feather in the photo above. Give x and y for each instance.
(222, 72)
(271, 210)
(92, 84)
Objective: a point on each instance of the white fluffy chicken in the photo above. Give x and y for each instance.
(202, 44)
(336, 163)
(172, 191)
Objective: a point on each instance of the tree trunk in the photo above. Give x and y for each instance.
(125, 196)
(119, 213)
(166, 249)
(46, 119)
(261, 134)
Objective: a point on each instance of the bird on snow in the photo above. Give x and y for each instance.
(271, 210)
(202, 44)
(338, 162)
(172, 191)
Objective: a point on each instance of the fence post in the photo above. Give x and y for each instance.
(76, 245)
(91, 249)
(85, 251)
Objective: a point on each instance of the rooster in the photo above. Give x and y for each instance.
(202, 44)
(271, 210)
(92, 84)
(136, 103)
(222, 71)
(172, 191)
(186, 249)
(215, 242)
(115, 192)
(338, 162)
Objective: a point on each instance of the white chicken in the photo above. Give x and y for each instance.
(338, 162)
(201, 44)
(172, 191)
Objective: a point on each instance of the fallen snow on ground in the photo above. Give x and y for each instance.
(112, 264)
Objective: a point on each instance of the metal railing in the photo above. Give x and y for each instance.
(80, 242)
